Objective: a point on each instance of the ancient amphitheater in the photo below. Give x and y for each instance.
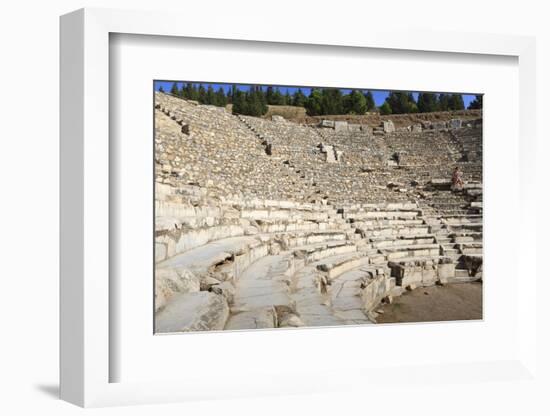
(269, 223)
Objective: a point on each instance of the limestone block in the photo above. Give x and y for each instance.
(160, 252)
(226, 289)
(291, 320)
(254, 319)
(374, 290)
(170, 281)
(287, 317)
(197, 311)
(327, 123)
(169, 244)
(388, 126)
(277, 118)
(463, 239)
(438, 125)
(335, 269)
(329, 153)
(340, 126)
(367, 129)
(208, 281)
(429, 275)
(201, 236)
(455, 123)
(446, 272)
(414, 273)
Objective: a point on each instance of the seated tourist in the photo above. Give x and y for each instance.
(457, 182)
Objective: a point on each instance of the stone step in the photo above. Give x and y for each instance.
(472, 250)
(421, 271)
(448, 251)
(197, 311)
(321, 251)
(175, 241)
(461, 273)
(377, 231)
(330, 303)
(384, 215)
(200, 259)
(273, 226)
(284, 215)
(382, 243)
(463, 239)
(427, 250)
(335, 268)
(264, 283)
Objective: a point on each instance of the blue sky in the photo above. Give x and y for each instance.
(379, 95)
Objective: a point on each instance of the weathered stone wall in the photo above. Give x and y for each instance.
(219, 154)
(400, 120)
(284, 160)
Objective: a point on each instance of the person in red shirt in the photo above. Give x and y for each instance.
(457, 181)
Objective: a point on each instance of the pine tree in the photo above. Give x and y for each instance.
(477, 103)
(174, 90)
(355, 103)
(457, 102)
(299, 98)
(427, 102)
(287, 98)
(278, 98)
(412, 107)
(220, 99)
(254, 104)
(183, 91)
(230, 94)
(239, 103)
(269, 95)
(210, 97)
(190, 92)
(401, 103)
(263, 100)
(444, 102)
(370, 101)
(161, 89)
(314, 103)
(257, 103)
(251, 103)
(202, 94)
(332, 101)
(385, 108)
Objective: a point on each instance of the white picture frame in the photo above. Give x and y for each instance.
(86, 355)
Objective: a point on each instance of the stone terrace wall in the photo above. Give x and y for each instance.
(400, 120)
(219, 153)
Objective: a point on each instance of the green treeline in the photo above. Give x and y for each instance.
(320, 101)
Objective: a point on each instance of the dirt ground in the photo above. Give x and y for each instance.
(436, 303)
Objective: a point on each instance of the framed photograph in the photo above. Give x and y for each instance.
(279, 213)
